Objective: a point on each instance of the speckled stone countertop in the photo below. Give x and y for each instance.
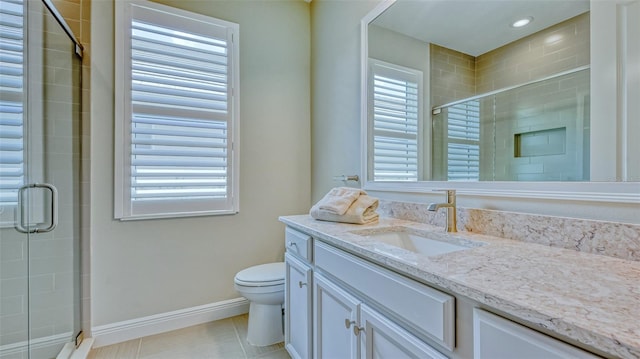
(589, 298)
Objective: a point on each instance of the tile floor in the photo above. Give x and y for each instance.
(222, 339)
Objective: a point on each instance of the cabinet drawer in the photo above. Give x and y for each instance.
(427, 311)
(299, 244)
(496, 337)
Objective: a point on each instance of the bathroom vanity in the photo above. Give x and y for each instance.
(405, 289)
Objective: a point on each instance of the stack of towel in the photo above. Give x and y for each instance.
(346, 205)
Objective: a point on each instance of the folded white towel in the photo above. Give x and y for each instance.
(339, 199)
(362, 211)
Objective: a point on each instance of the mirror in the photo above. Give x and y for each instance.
(453, 92)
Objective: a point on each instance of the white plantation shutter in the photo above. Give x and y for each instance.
(11, 102)
(179, 114)
(396, 109)
(463, 141)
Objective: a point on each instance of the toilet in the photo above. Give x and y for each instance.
(263, 286)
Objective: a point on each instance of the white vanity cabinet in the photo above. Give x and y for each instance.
(298, 318)
(341, 305)
(345, 327)
(382, 338)
(335, 315)
(497, 338)
(327, 317)
(350, 297)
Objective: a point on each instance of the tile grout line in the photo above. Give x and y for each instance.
(235, 329)
(139, 348)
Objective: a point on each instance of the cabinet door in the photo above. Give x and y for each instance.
(497, 338)
(381, 338)
(335, 316)
(297, 312)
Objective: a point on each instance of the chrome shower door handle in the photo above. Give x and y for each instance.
(20, 227)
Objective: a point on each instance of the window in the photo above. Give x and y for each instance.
(176, 113)
(11, 106)
(396, 108)
(463, 141)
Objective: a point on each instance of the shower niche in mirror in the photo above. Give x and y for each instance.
(457, 94)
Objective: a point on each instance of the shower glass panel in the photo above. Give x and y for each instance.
(534, 132)
(40, 89)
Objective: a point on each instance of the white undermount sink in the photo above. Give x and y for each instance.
(417, 243)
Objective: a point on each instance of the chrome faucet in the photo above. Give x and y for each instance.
(450, 205)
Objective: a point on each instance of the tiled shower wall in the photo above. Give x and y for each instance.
(77, 14)
(544, 132)
(453, 75)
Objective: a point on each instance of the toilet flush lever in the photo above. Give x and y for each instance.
(300, 284)
(291, 244)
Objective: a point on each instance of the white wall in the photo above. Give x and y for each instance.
(142, 268)
(335, 119)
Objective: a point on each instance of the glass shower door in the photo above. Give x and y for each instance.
(14, 265)
(39, 183)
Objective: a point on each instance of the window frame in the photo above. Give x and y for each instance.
(163, 15)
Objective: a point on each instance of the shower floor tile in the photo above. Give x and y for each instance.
(224, 339)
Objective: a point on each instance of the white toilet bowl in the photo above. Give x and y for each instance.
(263, 286)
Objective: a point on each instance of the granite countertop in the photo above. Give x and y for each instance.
(592, 299)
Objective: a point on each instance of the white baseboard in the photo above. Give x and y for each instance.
(52, 343)
(82, 352)
(159, 323)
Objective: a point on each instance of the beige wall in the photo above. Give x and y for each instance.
(399, 49)
(141, 268)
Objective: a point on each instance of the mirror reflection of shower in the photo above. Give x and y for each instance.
(535, 132)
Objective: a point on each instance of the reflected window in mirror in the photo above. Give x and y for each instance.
(396, 109)
(462, 143)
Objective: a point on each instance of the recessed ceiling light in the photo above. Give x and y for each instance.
(522, 22)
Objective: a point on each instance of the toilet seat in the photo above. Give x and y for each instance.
(264, 275)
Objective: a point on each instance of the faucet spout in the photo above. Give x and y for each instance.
(433, 207)
(450, 206)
